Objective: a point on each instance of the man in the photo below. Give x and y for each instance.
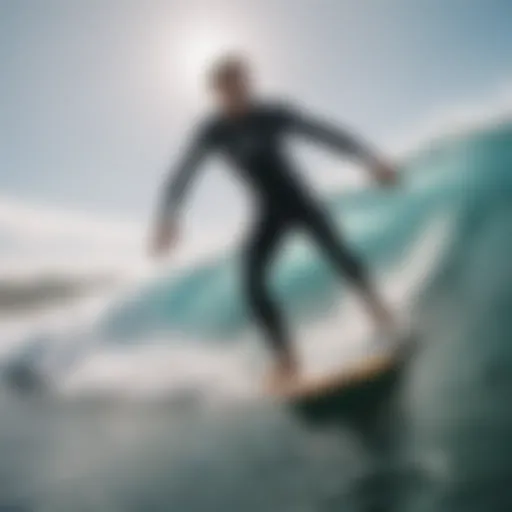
(250, 135)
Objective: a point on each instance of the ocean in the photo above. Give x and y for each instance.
(150, 399)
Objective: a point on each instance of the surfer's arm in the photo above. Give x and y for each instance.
(181, 176)
(178, 181)
(322, 131)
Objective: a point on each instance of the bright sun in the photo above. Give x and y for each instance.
(197, 51)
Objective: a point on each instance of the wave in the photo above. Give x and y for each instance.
(446, 180)
(414, 237)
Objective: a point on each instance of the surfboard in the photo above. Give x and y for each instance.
(367, 370)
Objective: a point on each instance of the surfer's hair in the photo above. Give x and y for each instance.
(227, 68)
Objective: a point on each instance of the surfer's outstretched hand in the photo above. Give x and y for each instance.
(385, 174)
(284, 374)
(165, 236)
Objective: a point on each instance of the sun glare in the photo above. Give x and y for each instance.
(199, 50)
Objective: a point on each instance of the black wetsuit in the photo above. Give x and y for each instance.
(253, 144)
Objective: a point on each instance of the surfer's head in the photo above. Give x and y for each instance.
(230, 81)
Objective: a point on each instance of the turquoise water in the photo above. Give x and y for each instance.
(439, 439)
(458, 180)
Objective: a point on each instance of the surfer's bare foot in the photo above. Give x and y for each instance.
(284, 373)
(385, 320)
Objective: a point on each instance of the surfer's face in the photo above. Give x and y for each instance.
(232, 87)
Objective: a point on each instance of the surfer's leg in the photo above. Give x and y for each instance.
(348, 264)
(257, 262)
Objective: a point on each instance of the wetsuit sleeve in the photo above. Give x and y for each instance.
(181, 176)
(318, 130)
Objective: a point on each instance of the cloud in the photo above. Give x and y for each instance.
(39, 238)
(31, 221)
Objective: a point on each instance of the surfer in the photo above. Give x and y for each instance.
(250, 134)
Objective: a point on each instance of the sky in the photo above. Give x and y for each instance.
(98, 97)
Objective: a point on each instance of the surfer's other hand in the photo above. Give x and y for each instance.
(385, 174)
(164, 237)
(285, 371)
